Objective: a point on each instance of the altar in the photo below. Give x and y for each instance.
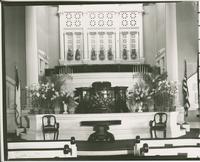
(132, 124)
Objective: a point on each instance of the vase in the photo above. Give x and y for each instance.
(93, 55)
(71, 111)
(110, 55)
(164, 102)
(101, 55)
(65, 108)
(77, 55)
(140, 107)
(124, 54)
(69, 55)
(133, 54)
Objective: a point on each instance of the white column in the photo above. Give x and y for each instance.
(31, 45)
(172, 54)
(171, 44)
(61, 25)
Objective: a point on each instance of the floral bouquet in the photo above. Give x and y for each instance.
(164, 95)
(167, 87)
(140, 94)
(163, 91)
(102, 99)
(44, 95)
(68, 98)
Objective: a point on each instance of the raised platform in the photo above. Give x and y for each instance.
(132, 124)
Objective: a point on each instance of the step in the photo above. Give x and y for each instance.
(186, 126)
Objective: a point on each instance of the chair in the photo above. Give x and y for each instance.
(49, 125)
(158, 124)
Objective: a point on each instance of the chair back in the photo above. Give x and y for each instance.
(48, 121)
(160, 118)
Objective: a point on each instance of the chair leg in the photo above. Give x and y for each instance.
(57, 135)
(155, 133)
(44, 135)
(165, 132)
(151, 133)
(54, 135)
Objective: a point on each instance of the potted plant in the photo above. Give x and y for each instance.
(133, 54)
(124, 54)
(77, 55)
(110, 55)
(93, 54)
(164, 95)
(163, 91)
(101, 54)
(69, 55)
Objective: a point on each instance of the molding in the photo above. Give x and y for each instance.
(43, 55)
(100, 7)
(161, 53)
(10, 80)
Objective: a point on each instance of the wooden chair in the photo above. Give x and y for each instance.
(49, 125)
(158, 124)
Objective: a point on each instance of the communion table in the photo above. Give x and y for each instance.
(132, 124)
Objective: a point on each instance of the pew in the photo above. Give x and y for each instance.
(168, 148)
(41, 150)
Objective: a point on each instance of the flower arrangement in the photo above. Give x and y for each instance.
(102, 99)
(155, 88)
(164, 95)
(47, 95)
(140, 93)
(163, 91)
(44, 95)
(165, 87)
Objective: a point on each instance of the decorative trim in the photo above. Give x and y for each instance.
(43, 55)
(110, 68)
(10, 80)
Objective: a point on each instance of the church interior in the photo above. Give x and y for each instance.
(101, 81)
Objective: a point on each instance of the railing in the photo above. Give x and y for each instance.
(140, 68)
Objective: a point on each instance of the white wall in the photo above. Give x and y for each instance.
(116, 79)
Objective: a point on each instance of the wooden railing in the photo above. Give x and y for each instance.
(140, 68)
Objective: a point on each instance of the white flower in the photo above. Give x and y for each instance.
(56, 93)
(37, 94)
